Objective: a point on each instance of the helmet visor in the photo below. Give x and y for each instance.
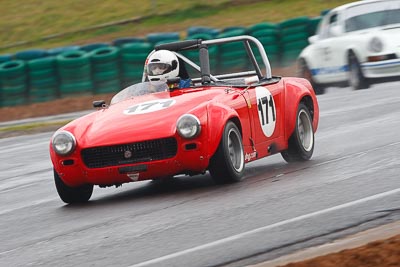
(157, 68)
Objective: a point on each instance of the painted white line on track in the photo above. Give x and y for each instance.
(267, 227)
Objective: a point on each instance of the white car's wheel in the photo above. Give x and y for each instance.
(356, 77)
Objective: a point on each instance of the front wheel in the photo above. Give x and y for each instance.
(72, 195)
(301, 142)
(356, 77)
(227, 164)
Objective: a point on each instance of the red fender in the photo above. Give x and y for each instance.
(218, 115)
(296, 91)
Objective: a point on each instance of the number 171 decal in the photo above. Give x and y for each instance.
(266, 110)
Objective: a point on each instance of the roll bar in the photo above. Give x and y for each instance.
(202, 46)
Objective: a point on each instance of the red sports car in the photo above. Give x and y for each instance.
(218, 124)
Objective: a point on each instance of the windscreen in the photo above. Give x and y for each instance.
(138, 90)
(374, 14)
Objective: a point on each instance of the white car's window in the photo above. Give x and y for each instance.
(138, 90)
(327, 23)
(371, 15)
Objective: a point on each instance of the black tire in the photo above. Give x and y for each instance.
(227, 164)
(356, 78)
(301, 142)
(305, 72)
(72, 195)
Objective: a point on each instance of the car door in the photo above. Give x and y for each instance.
(267, 118)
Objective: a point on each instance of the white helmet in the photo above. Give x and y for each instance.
(162, 65)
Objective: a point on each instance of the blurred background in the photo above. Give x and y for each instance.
(51, 50)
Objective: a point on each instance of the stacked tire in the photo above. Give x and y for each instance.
(106, 69)
(31, 54)
(268, 35)
(119, 42)
(93, 46)
(43, 79)
(133, 57)
(13, 83)
(59, 50)
(313, 25)
(294, 37)
(74, 70)
(213, 32)
(232, 56)
(5, 58)
(162, 37)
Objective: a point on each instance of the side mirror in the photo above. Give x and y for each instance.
(99, 103)
(313, 39)
(335, 31)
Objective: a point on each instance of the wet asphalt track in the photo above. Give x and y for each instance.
(352, 183)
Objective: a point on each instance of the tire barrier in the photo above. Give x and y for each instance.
(5, 58)
(43, 79)
(232, 56)
(59, 50)
(268, 35)
(91, 47)
(314, 22)
(133, 56)
(202, 30)
(38, 75)
(74, 70)
(31, 54)
(13, 83)
(105, 69)
(127, 40)
(294, 38)
(154, 38)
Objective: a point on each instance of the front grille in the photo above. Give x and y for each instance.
(99, 157)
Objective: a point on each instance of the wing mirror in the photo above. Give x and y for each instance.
(99, 104)
(335, 31)
(313, 39)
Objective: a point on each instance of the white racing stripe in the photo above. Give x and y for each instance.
(264, 228)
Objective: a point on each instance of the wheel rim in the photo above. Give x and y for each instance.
(235, 150)
(305, 130)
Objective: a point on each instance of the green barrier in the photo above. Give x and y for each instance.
(13, 83)
(154, 38)
(106, 69)
(262, 26)
(74, 70)
(294, 22)
(43, 79)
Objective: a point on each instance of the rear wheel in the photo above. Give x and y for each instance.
(72, 195)
(227, 164)
(305, 72)
(301, 142)
(356, 77)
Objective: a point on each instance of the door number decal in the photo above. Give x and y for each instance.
(266, 110)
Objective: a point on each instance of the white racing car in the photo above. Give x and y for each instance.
(356, 44)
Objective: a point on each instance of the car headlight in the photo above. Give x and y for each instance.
(63, 143)
(188, 126)
(375, 45)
